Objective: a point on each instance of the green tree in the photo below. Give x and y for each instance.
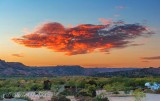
(47, 85)
(101, 97)
(84, 92)
(36, 87)
(139, 95)
(55, 88)
(92, 90)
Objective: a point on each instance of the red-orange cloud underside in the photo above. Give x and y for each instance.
(84, 38)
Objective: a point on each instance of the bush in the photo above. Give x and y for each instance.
(47, 85)
(115, 92)
(100, 98)
(85, 98)
(36, 87)
(1, 96)
(139, 95)
(84, 92)
(148, 91)
(104, 99)
(9, 95)
(59, 98)
(157, 91)
(68, 92)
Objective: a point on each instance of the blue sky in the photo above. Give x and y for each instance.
(30, 12)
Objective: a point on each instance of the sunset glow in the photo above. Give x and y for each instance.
(86, 33)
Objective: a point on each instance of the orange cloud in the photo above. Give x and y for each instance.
(84, 38)
(70, 25)
(17, 55)
(151, 58)
(105, 21)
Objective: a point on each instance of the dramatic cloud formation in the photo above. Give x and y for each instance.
(84, 38)
(17, 55)
(151, 58)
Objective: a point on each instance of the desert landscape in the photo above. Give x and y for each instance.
(79, 50)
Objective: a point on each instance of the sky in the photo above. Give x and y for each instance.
(90, 33)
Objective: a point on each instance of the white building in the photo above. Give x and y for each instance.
(154, 86)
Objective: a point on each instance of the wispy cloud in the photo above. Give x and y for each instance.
(105, 21)
(145, 61)
(151, 58)
(120, 7)
(137, 44)
(17, 55)
(84, 38)
(117, 15)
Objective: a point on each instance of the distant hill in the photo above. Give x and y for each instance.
(16, 69)
(19, 69)
(144, 72)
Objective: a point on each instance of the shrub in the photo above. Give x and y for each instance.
(139, 95)
(9, 95)
(157, 91)
(1, 96)
(84, 92)
(148, 91)
(85, 98)
(115, 92)
(100, 98)
(59, 98)
(47, 85)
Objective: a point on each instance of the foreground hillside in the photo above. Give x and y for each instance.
(80, 88)
(10, 69)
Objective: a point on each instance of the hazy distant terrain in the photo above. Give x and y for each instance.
(143, 72)
(18, 69)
